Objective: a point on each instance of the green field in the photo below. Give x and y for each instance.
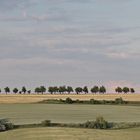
(35, 113)
(70, 134)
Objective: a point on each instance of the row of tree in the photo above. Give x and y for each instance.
(67, 89)
(78, 90)
(124, 89)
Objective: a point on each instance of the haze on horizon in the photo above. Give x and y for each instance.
(71, 42)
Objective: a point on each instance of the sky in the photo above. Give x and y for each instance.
(70, 42)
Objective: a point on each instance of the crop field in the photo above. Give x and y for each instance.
(70, 134)
(21, 109)
(35, 113)
(36, 98)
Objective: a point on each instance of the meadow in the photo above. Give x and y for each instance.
(70, 134)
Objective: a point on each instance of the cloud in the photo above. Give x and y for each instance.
(118, 55)
(72, 41)
(66, 40)
(8, 5)
(35, 61)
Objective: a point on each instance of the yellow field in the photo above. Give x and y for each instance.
(36, 98)
(70, 134)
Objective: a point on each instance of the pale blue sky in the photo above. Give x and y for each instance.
(71, 42)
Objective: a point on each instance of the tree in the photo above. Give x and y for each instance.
(15, 90)
(69, 89)
(95, 89)
(51, 90)
(78, 90)
(85, 89)
(42, 89)
(118, 90)
(0, 90)
(62, 89)
(37, 90)
(102, 89)
(24, 90)
(7, 90)
(132, 90)
(56, 89)
(125, 89)
(29, 91)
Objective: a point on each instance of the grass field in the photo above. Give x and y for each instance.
(34, 113)
(36, 98)
(70, 134)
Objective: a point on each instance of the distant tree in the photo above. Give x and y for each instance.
(62, 89)
(78, 90)
(119, 90)
(15, 90)
(7, 90)
(132, 90)
(29, 91)
(42, 89)
(51, 90)
(85, 89)
(37, 90)
(126, 90)
(95, 89)
(56, 89)
(24, 90)
(102, 89)
(0, 90)
(69, 89)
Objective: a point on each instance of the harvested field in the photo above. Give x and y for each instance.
(70, 134)
(36, 98)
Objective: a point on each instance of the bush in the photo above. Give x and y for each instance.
(92, 101)
(89, 124)
(103, 102)
(5, 125)
(119, 101)
(46, 123)
(2, 128)
(77, 101)
(9, 126)
(68, 100)
(100, 123)
(61, 101)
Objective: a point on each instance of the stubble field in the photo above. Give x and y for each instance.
(11, 98)
(70, 134)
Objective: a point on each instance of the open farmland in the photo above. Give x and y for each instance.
(70, 134)
(36, 98)
(35, 113)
